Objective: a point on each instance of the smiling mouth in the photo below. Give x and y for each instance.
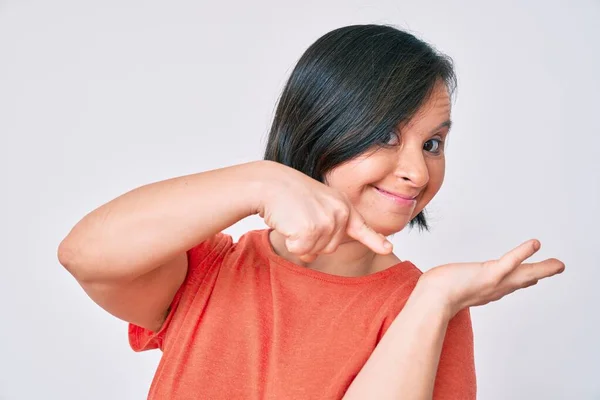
(402, 196)
(398, 198)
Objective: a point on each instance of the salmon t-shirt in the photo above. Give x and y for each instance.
(249, 324)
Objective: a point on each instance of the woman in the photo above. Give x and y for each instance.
(317, 306)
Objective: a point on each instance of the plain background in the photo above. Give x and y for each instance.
(98, 98)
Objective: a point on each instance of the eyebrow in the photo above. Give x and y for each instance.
(445, 124)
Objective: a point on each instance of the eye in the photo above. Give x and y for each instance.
(434, 146)
(393, 139)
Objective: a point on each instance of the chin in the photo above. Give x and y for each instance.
(389, 229)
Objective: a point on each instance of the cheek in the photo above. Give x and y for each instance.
(339, 178)
(351, 185)
(437, 171)
(355, 176)
(439, 174)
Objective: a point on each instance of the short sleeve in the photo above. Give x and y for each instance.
(456, 378)
(204, 260)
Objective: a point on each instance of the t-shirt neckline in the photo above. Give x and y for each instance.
(323, 276)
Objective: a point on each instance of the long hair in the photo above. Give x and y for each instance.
(348, 91)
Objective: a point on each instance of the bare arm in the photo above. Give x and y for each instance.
(129, 254)
(405, 362)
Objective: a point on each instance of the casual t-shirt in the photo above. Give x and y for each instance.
(249, 324)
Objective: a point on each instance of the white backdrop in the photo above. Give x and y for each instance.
(97, 98)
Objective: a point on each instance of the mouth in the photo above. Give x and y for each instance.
(399, 198)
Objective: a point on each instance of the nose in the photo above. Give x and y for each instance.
(411, 167)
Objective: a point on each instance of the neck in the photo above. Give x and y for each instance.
(352, 258)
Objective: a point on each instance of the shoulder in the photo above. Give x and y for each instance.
(253, 241)
(222, 242)
(405, 280)
(222, 249)
(215, 243)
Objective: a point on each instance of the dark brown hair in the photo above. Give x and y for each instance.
(348, 91)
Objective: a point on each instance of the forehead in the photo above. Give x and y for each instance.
(434, 111)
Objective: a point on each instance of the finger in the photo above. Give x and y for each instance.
(335, 242)
(532, 272)
(301, 244)
(511, 260)
(358, 229)
(529, 284)
(338, 235)
(320, 238)
(310, 243)
(323, 241)
(308, 258)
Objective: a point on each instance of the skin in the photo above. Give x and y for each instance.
(338, 228)
(414, 164)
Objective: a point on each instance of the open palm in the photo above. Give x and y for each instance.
(477, 283)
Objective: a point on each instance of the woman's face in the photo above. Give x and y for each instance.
(413, 168)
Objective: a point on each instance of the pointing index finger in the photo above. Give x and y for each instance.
(358, 229)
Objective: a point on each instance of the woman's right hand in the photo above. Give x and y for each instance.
(463, 285)
(314, 217)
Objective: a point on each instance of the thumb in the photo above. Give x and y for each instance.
(358, 229)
